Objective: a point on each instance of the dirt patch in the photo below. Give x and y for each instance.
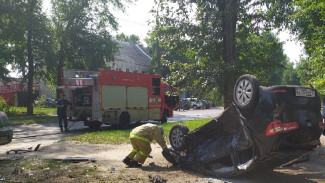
(109, 168)
(109, 158)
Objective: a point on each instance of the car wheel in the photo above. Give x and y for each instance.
(177, 137)
(246, 92)
(194, 107)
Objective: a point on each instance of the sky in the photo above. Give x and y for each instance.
(135, 19)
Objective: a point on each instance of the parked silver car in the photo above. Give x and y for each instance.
(6, 131)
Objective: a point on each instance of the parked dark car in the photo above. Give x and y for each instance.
(206, 104)
(6, 131)
(183, 104)
(263, 127)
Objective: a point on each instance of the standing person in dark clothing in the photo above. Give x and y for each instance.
(61, 105)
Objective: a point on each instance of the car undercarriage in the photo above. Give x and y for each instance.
(264, 127)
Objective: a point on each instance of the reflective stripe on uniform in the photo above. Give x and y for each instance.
(135, 150)
(143, 154)
(140, 138)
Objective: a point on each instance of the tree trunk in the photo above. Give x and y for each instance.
(30, 59)
(229, 19)
(158, 52)
(60, 70)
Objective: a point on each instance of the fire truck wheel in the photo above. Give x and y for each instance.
(124, 120)
(95, 125)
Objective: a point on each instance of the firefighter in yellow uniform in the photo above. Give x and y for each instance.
(140, 138)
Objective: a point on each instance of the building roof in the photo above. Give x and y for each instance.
(132, 54)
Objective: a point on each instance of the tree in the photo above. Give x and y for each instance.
(30, 55)
(81, 32)
(26, 40)
(11, 35)
(214, 38)
(309, 18)
(132, 38)
(290, 75)
(260, 54)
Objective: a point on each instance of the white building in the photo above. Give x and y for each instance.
(131, 58)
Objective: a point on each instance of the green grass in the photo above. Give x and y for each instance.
(122, 136)
(22, 111)
(18, 115)
(32, 119)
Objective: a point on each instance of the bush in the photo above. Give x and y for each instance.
(3, 105)
(40, 102)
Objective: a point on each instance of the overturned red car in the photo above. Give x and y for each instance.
(264, 127)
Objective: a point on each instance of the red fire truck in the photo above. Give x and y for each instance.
(116, 97)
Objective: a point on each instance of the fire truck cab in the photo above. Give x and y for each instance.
(116, 97)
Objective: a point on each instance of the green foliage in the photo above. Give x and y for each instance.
(132, 38)
(290, 75)
(309, 18)
(260, 54)
(3, 105)
(26, 39)
(81, 37)
(275, 13)
(40, 101)
(311, 71)
(16, 21)
(190, 37)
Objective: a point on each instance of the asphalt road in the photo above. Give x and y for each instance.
(26, 136)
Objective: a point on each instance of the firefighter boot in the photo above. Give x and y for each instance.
(127, 161)
(134, 164)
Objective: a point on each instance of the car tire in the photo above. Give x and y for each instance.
(177, 137)
(246, 92)
(194, 107)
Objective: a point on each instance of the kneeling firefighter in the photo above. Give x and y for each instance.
(140, 138)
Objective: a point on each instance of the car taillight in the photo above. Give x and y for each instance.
(321, 125)
(277, 127)
(68, 117)
(92, 119)
(279, 91)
